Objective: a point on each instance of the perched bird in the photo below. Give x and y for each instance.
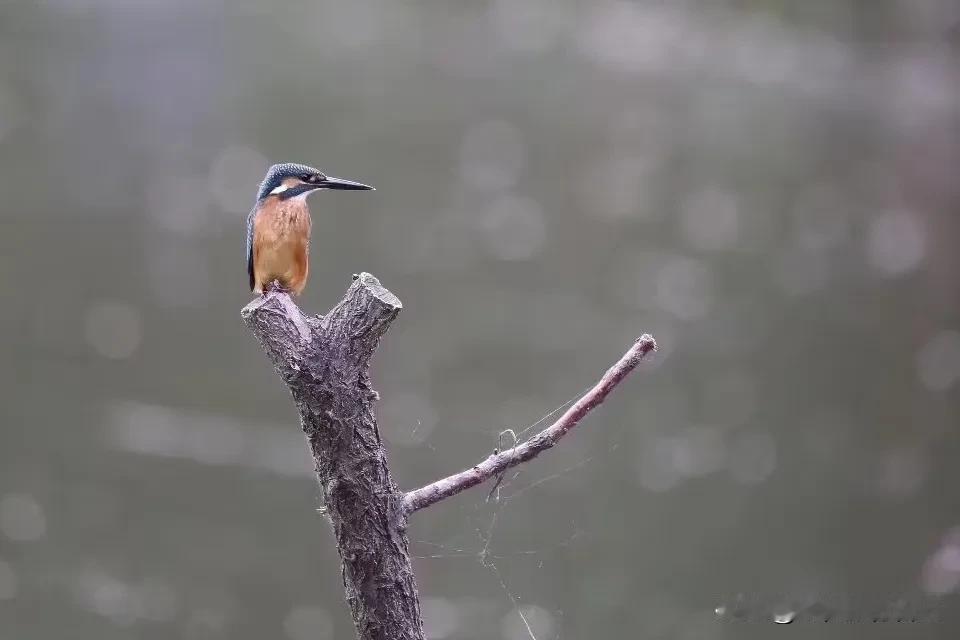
(278, 228)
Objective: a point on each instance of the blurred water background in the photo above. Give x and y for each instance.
(769, 187)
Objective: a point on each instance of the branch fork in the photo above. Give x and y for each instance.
(325, 362)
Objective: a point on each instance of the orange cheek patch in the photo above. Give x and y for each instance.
(285, 184)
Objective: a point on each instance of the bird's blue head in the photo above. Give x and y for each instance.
(289, 180)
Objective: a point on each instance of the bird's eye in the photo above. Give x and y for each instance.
(308, 177)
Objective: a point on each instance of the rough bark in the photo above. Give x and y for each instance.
(325, 363)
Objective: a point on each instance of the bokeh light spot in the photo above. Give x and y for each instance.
(684, 287)
(235, 175)
(896, 243)
(753, 457)
(656, 468)
(938, 361)
(710, 219)
(902, 472)
(941, 572)
(531, 26)
(22, 518)
(526, 621)
(308, 623)
(698, 451)
(514, 228)
(441, 618)
(626, 37)
(113, 329)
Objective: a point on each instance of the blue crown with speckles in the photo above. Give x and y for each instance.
(278, 172)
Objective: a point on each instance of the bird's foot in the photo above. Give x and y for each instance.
(275, 286)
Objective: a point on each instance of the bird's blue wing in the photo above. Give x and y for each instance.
(250, 218)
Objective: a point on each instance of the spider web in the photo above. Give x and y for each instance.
(500, 496)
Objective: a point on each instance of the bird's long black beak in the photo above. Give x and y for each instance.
(330, 182)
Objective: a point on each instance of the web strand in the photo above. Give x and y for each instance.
(546, 416)
(485, 556)
(489, 564)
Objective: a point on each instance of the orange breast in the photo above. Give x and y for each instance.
(281, 245)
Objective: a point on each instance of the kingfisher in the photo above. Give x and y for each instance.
(278, 227)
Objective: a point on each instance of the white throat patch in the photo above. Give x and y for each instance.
(299, 196)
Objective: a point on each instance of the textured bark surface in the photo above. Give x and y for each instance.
(325, 363)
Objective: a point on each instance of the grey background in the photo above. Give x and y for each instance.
(770, 188)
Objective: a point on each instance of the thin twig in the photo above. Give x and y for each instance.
(500, 461)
